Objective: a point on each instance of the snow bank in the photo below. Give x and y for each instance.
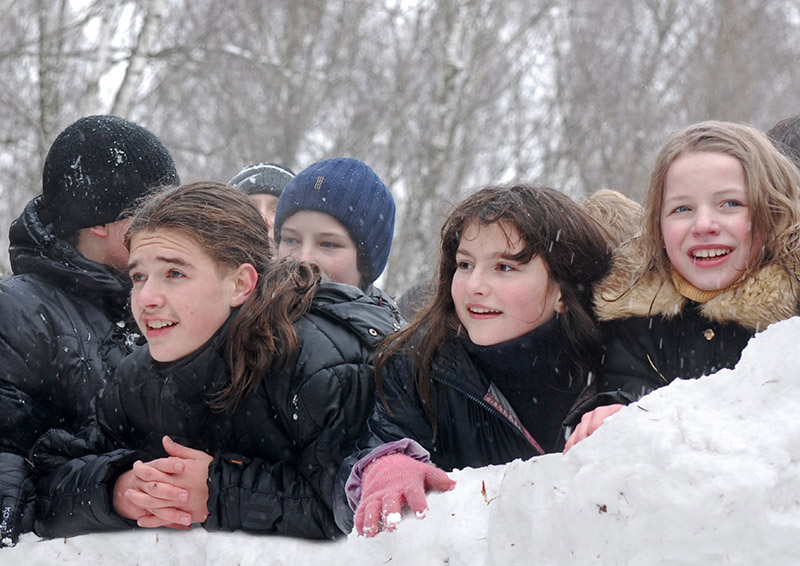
(701, 472)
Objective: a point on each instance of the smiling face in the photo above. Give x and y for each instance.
(180, 296)
(705, 220)
(496, 298)
(317, 237)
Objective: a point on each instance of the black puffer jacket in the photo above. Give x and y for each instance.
(476, 425)
(654, 335)
(275, 454)
(64, 327)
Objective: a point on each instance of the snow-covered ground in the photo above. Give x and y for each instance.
(702, 472)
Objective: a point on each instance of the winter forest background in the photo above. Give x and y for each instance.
(438, 96)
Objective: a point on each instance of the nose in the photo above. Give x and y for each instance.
(307, 253)
(705, 222)
(147, 295)
(477, 283)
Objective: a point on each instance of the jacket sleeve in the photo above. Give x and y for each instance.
(74, 494)
(17, 495)
(324, 416)
(629, 370)
(25, 351)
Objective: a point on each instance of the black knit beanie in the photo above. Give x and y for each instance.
(351, 192)
(262, 178)
(98, 166)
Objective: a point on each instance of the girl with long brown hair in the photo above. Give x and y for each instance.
(489, 367)
(254, 384)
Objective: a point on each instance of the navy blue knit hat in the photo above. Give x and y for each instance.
(97, 167)
(262, 178)
(351, 192)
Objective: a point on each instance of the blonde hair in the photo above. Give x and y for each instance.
(618, 216)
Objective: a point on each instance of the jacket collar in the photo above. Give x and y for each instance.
(754, 302)
(35, 249)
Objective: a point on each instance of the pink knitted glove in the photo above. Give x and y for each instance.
(391, 482)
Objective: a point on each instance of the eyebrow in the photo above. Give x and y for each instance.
(295, 232)
(332, 235)
(717, 194)
(504, 255)
(161, 259)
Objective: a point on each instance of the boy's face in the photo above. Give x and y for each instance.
(266, 205)
(180, 296)
(116, 254)
(317, 237)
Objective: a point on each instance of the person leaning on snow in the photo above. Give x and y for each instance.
(491, 365)
(717, 262)
(65, 323)
(338, 214)
(255, 382)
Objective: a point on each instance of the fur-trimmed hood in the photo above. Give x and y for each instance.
(754, 302)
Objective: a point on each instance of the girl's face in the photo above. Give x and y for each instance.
(180, 297)
(317, 237)
(498, 299)
(705, 220)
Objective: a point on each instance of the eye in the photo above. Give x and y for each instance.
(682, 208)
(732, 203)
(329, 245)
(288, 241)
(464, 265)
(137, 277)
(174, 274)
(505, 267)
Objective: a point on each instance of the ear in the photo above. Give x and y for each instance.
(244, 279)
(561, 308)
(101, 230)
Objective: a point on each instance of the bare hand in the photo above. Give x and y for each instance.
(173, 491)
(143, 488)
(590, 422)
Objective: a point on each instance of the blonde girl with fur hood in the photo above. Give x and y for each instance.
(717, 261)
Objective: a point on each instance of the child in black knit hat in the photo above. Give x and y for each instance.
(264, 183)
(66, 324)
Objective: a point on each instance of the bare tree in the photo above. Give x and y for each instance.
(439, 97)
(629, 72)
(53, 60)
(460, 73)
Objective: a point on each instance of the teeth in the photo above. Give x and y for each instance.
(482, 311)
(156, 324)
(710, 253)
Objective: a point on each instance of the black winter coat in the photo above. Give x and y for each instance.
(654, 335)
(476, 425)
(64, 327)
(275, 454)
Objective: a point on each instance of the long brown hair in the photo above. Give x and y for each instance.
(551, 226)
(224, 223)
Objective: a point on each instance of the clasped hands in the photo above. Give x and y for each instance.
(167, 492)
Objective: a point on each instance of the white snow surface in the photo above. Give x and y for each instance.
(701, 472)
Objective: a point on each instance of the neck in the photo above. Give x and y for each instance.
(691, 292)
(527, 361)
